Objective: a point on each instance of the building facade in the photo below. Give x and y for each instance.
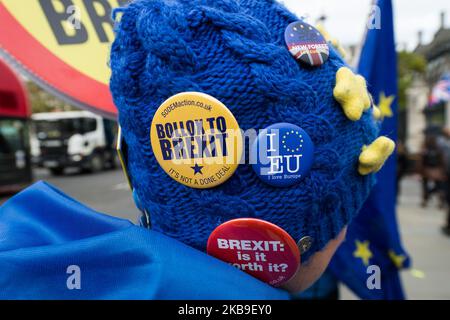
(420, 116)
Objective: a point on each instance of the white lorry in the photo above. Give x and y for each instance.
(78, 139)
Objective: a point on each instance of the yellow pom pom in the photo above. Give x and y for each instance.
(374, 156)
(351, 92)
(333, 41)
(377, 113)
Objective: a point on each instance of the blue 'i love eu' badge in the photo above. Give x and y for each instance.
(282, 154)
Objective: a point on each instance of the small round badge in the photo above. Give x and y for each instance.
(196, 140)
(304, 244)
(306, 44)
(256, 247)
(282, 154)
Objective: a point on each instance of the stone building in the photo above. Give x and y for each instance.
(419, 115)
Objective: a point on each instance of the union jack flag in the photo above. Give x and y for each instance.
(441, 91)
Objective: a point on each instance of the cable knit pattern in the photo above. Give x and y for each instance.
(235, 51)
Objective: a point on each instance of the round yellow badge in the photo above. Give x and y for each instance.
(196, 140)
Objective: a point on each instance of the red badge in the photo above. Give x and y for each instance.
(256, 247)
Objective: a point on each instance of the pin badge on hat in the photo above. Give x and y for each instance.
(282, 154)
(304, 244)
(306, 44)
(196, 140)
(256, 247)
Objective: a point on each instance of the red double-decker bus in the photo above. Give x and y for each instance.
(15, 159)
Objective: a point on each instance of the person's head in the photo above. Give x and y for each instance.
(446, 132)
(235, 51)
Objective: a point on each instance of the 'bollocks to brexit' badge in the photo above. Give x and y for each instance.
(282, 154)
(196, 140)
(256, 247)
(306, 44)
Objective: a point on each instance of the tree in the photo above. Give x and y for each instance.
(42, 101)
(409, 65)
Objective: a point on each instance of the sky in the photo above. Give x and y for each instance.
(346, 19)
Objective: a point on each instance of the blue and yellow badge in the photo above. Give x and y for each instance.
(196, 140)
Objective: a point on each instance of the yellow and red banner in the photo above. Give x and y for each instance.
(63, 45)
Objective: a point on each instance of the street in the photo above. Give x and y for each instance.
(108, 192)
(428, 247)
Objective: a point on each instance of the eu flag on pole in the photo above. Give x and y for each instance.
(373, 239)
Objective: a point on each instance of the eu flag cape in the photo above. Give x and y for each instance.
(52, 247)
(373, 238)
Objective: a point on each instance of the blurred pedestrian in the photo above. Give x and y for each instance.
(444, 144)
(402, 164)
(432, 169)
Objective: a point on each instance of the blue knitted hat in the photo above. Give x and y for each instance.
(235, 51)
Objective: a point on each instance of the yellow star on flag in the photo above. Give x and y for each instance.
(363, 252)
(385, 105)
(398, 260)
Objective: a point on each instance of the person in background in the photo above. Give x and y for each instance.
(432, 170)
(444, 144)
(402, 165)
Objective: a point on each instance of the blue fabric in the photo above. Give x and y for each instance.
(43, 232)
(323, 289)
(235, 51)
(377, 221)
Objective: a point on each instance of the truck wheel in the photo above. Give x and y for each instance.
(96, 164)
(57, 171)
(113, 161)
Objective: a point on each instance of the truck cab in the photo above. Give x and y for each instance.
(77, 139)
(15, 159)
